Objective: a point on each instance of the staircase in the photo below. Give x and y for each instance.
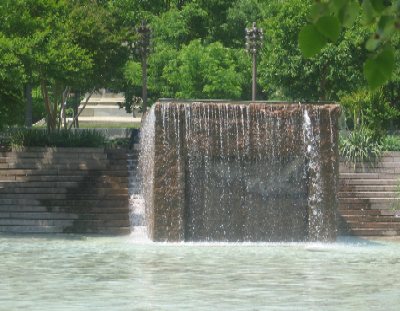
(64, 190)
(369, 201)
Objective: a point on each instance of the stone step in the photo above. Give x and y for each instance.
(108, 210)
(374, 232)
(55, 178)
(385, 170)
(57, 229)
(370, 181)
(63, 190)
(362, 188)
(368, 200)
(63, 216)
(373, 225)
(63, 184)
(369, 213)
(359, 212)
(56, 158)
(62, 166)
(65, 222)
(369, 194)
(25, 151)
(369, 219)
(360, 204)
(62, 202)
(64, 196)
(62, 172)
(371, 165)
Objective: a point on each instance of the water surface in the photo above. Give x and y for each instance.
(103, 273)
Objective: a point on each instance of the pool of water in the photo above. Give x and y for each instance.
(99, 273)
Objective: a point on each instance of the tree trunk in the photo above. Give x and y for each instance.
(28, 109)
(76, 109)
(83, 107)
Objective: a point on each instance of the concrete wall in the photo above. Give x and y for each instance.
(64, 190)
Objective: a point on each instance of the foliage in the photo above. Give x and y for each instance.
(286, 74)
(62, 45)
(390, 143)
(359, 146)
(118, 143)
(63, 138)
(65, 46)
(204, 71)
(330, 16)
(371, 110)
(11, 76)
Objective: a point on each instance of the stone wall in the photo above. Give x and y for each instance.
(243, 172)
(64, 190)
(369, 200)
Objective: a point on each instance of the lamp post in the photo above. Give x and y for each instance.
(143, 48)
(254, 38)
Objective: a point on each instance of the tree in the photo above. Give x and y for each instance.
(11, 77)
(64, 46)
(204, 71)
(330, 16)
(286, 74)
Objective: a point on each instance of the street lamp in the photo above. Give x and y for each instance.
(254, 38)
(143, 48)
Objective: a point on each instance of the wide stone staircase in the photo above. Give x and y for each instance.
(64, 190)
(369, 197)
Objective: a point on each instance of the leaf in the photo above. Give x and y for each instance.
(348, 13)
(386, 25)
(378, 5)
(372, 43)
(318, 9)
(337, 5)
(379, 69)
(368, 11)
(311, 41)
(329, 26)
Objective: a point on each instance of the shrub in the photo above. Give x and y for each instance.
(370, 110)
(359, 146)
(391, 143)
(63, 138)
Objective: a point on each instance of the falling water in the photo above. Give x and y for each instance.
(237, 172)
(140, 179)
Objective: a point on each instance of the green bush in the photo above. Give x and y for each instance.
(63, 138)
(359, 146)
(391, 143)
(372, 110)
(118, 143)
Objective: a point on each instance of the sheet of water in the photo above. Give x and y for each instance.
(92, 273)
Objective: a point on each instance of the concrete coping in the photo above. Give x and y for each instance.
(229, 101)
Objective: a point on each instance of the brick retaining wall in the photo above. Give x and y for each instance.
(369, 204)
(64, 190)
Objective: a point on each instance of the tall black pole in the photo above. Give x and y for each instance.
(254, 78)
(254, 38)
(144, 82)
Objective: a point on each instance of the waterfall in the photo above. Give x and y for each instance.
(140, 179)
(239, 172)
